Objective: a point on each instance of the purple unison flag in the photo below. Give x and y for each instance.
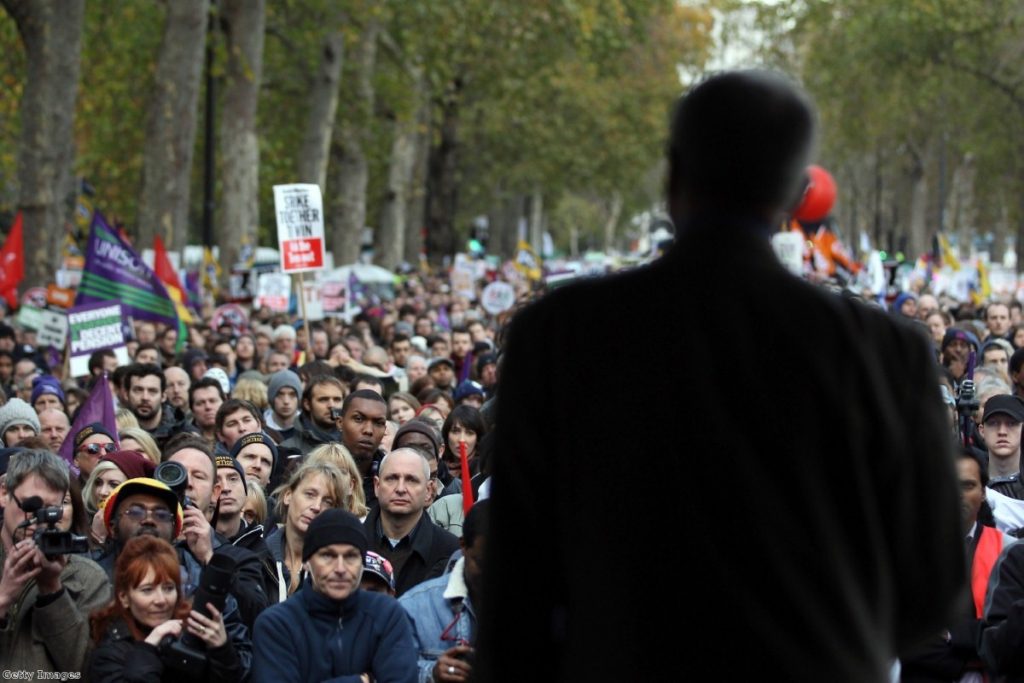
(99, 407)
(114, 272)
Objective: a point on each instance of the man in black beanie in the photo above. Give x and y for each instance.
(331, 628)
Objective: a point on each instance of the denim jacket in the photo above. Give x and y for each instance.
(443, 617)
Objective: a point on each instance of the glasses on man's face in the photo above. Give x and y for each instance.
(138, 513)
(97, 448)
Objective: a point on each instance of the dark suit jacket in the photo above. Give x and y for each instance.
(711, 443)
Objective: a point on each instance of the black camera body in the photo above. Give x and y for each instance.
(51, 540)
(187, 654)
(336, 414)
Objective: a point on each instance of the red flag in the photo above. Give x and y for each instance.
(165, 272)
(162, 265)
(467, 481)
(12, 263)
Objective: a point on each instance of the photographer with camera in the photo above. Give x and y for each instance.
(135, 632)
(199, 494)
(44, 600)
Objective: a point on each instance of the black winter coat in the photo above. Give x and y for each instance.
(121, 658)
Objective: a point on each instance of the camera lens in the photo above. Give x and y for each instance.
(172, 474)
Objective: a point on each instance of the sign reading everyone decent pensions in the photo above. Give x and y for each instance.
(93, 327)
(300, 226)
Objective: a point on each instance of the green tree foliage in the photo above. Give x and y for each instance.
(568, 98)
(909, 91)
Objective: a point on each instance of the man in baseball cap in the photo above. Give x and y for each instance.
(1001, 430)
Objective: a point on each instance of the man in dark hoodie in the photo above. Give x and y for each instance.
(232, 525)
(316, 425)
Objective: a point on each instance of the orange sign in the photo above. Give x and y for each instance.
(58, 296)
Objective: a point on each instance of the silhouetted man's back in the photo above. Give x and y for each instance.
(782, 497)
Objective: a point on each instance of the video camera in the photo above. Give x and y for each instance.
(175, 477)
(187, 653)
(967, 403)
(51, 540)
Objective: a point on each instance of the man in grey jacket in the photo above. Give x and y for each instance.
(44, 601)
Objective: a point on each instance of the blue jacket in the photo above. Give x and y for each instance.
(310, 638)
(442, 615)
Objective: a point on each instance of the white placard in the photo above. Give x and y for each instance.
(53, 329)
(274, 291)
(300, 227)
(789, 248)
(462, 281)
(314, 301)
(498, 297)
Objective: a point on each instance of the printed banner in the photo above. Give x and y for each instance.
(93, 327)
(115, 272)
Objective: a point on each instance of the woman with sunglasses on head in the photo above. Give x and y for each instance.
(111, 471)
(148, 607)
(92, 442)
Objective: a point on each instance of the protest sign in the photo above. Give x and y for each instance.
(53, 329)
(274, 291)
(230, 314)
(300, 227)
(462, 279)
(34, 296)
(314, 301)
(93, 327)
(789, 248)
(498, 297)
(30, 316)
(333, 297)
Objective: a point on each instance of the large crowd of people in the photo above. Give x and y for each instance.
(323, 500)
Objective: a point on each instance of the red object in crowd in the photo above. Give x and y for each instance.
(162, 265)
(12, 263)
(467, 481)
(819, 197)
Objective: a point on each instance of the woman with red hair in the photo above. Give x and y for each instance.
(149, 606)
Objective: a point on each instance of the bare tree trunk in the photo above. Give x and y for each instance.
(171, 125)
(960, 209)
(323, 96)
(917, 236)
(416, 206)
(442, 183)
(614, 211)
(51, 31)
(537, 221)
(243, 22)
(505, 235)
(349, 206)
(389, 237)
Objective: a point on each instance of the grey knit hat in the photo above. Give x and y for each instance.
(281, 379)
(17, 412)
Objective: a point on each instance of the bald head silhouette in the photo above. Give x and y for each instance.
(740, 143)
